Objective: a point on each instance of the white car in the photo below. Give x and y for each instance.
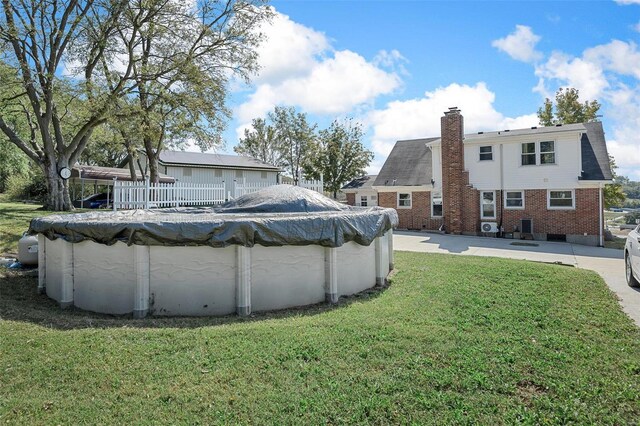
(632, 258)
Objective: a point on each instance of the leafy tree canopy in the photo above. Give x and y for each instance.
(338, 155)
(568, 109)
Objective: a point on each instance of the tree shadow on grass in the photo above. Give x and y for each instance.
(20, 302)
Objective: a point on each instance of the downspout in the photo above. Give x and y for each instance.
(600, 189)
(502, 201)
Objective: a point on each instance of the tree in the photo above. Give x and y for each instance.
(568, 109)
(261, 143)
(12, 160)
(38, 37)
(294, 138)
(339, 155)
(612, 193)
(163, 53)
(186, 53)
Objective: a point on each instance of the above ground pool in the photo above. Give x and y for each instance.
(281, 247)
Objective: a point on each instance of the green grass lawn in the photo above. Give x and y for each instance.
(14, 221)
(453, 339)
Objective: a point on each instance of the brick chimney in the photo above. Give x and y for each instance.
(453, 182)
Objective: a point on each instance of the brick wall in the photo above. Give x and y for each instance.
(584, 218)
(351, 199)
(453, 185)
(418, 216)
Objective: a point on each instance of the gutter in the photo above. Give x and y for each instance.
(210, 166)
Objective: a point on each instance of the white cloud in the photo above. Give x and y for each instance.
(617, 56)
(584, 75)
(609, 73)
(520, 44)
(289, 49)
(419, 118)
(636, 27)
(624, 143)
(299, 68)
(627, 2)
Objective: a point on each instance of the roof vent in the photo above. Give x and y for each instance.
(534, 127)
(452, 110)
(558, 125)
(480, 133)
(507, 130)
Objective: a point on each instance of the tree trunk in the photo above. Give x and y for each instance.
(153, 169)
(132, 166)
(152, 160)
(58, 198)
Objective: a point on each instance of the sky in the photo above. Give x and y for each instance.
(396, 66)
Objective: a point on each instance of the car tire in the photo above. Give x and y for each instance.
(631, 280)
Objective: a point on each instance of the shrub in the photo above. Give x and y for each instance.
(30, 187)
(632, 218)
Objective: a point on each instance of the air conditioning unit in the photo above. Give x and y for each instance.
(489, 227)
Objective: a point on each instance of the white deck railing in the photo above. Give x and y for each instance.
(243, 187)
(314, 185)
(144, 195)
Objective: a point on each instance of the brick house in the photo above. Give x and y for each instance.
(360, 192)
(543, 183)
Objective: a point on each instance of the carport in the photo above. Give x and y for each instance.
(104, 176)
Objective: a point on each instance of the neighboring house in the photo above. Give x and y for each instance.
(544, 182)
(205, 168)
(360, 192)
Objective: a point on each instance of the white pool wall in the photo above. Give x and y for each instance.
(198, 281)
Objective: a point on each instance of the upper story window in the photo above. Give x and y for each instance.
(404, 200)
(218, 173)
(538, 153)
(239, 173)
(363, 201)
(547, 152)
(186, 172)
(529, 154)
(486, 153)
(263, 175)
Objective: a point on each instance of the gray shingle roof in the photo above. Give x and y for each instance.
(202, 159)
(362, 182)
(408, 164)
(595, 158)
(109, 173)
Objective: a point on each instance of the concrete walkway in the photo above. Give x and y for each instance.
(606, 262)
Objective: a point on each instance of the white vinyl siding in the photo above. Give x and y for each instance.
(514, 200)
(206, 175)
(404, 200)
(488, 204)
(561, 199)
(487, 175)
